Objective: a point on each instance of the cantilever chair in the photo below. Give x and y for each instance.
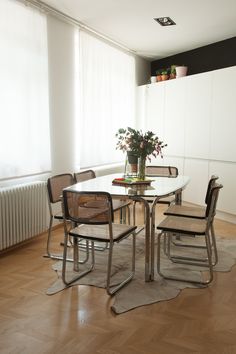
(195, 212)
(187, 226)
(118, 205)
(192, 212)
(95, 223)
(163, 171)
(55, 185)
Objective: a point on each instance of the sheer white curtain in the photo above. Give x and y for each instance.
(24, 116)
(106, 100)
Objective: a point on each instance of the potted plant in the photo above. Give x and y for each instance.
(173, 71)
(153, 79)
(158, 74)
(143, 145)
(181, 71)
(164, 75)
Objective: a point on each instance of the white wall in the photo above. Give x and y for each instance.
(142, 70)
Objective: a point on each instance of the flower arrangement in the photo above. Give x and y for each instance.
(142, 144)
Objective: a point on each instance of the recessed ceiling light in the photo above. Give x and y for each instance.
(165, 21)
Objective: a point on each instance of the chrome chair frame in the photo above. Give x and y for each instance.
(195, 212)
(191, 226)
(95, 223)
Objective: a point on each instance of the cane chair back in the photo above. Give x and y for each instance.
(84, 175)
(118, 205)
(211, 184)
(88, 207)
(162, 171)
(56, 184)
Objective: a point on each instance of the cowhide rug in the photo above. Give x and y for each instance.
(138, 292)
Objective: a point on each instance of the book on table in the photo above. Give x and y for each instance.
(130, 181)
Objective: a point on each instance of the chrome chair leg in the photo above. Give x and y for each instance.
(49, 236)
(69, 244)
(75, 261)
(212, 249)
(112, 289)
(209, 264)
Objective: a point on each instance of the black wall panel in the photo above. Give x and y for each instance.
(211, 57)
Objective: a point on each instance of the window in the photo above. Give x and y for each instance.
(24, 115)
(106, 96)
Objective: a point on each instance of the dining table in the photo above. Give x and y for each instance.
(158, 188)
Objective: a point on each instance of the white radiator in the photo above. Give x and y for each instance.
(23, 213)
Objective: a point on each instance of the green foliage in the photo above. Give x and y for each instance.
(164, 72)
(158, 72)
(142, 144)
(172, 69)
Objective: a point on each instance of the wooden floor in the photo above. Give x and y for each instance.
(79, 319)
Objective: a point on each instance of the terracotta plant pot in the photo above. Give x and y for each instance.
(172, 76)
(164, 77)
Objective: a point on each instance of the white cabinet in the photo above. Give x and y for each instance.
(141, 106)
(196, 117)
(155, 109)
(197, 170)
(223, 115)
(174, 117)
(227, 173)
(174, 161)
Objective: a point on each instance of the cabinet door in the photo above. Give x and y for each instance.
(155, 109)
(141, 106)
(223, 126)
(174, 129)
(174, 161)
(197, 121)
(195, 191)
(227, 176)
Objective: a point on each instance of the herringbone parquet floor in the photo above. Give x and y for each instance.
(79, 320)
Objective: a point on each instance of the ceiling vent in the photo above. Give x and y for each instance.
(165, 21)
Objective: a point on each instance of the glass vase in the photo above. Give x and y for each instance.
(131, 165)
(142, 168)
